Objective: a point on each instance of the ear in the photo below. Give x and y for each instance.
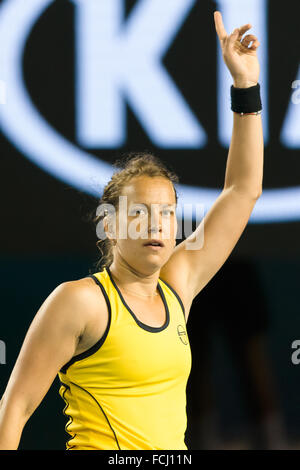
(109, 227)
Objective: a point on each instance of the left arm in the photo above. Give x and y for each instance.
(188, 271)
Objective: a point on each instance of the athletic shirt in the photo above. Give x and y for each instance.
(128, 391)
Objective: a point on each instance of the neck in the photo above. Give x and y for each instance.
(130, 279)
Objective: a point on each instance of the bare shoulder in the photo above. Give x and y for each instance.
(83, 294)
(84, 287)
(63, 327)
(72, 304)
(92, 309)
(176, 274)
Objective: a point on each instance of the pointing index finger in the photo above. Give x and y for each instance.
(221, 31)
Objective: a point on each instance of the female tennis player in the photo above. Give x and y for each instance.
(117, 338)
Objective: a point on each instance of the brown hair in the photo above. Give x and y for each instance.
(130, 165)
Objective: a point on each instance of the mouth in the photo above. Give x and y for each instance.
(154, 244)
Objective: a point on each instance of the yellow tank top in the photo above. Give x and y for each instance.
(128, 391)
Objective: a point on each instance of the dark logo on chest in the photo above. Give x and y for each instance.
(182, 334)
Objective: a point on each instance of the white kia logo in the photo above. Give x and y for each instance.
(131, 55)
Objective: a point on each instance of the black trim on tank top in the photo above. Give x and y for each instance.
(99, 343)
(89, 393)
(152, 329)
(70, 418)
(177, 296)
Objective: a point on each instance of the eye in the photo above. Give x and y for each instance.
(140, 211)
(167, 212)
(137, 211)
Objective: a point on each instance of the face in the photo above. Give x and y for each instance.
(147, 211)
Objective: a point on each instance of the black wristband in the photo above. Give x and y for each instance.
(246, 100)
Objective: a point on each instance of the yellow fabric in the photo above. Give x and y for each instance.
(130, 391)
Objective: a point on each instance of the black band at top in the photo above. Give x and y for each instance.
(246, 100)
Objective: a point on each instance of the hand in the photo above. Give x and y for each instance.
(240, 59)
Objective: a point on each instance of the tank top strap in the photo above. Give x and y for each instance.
(174, 298)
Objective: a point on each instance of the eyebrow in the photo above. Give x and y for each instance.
(162, 204)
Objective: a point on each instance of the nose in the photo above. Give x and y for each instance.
(155, 225)
(154, 230)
